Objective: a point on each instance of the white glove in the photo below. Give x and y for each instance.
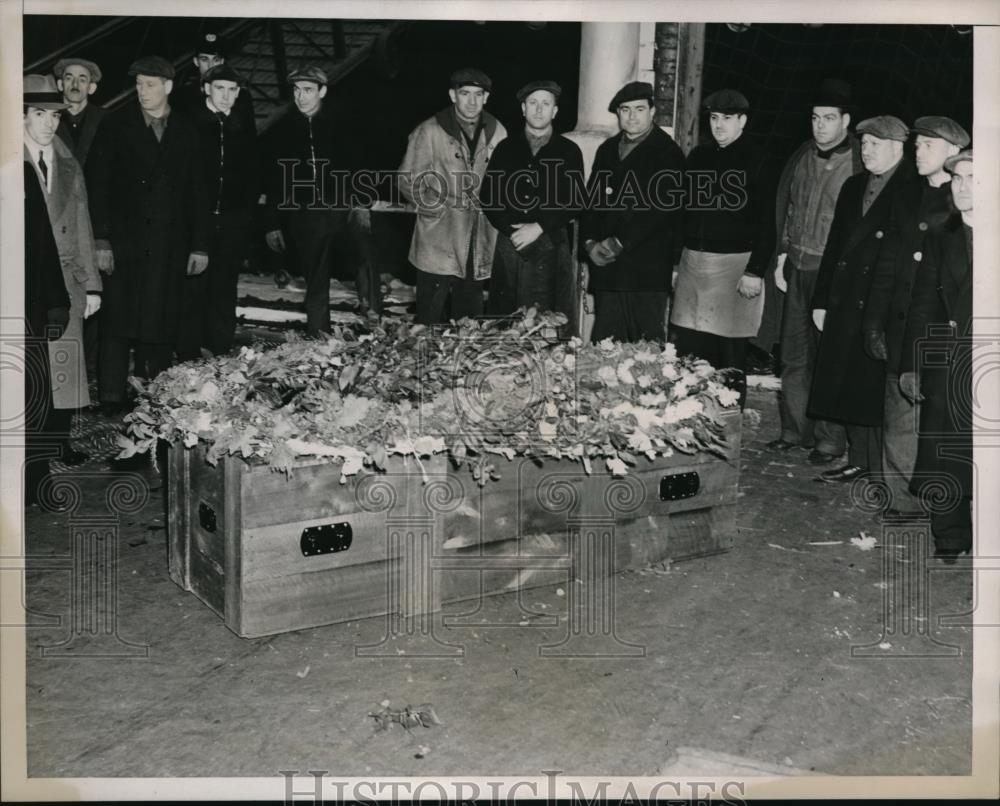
(93, 305)
(819, 317)
(779, 274)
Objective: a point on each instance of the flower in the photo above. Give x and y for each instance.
(728, 397)
(669, 352)
(644, 381)
(608, 376)
(669, 371)
(625, 373)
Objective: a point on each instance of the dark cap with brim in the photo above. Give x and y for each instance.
(727, 101)
(942, 128)
(535, 86)
(470, 77)
(962, 156)
(833, 92)
(885, 127)
(309, 72)
(222, 72)
(152, 66)
(87, 64)
(633, 91)
(211, 43)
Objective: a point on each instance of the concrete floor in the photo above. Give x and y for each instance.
(747, 653)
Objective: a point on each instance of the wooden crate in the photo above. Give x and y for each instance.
(271, 553)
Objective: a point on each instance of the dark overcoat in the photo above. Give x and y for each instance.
(93, 116)
(916, 209)
(938, 345)
(148, 201)
(638, 200)
(848, 386)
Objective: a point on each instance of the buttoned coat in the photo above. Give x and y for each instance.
(92, 118)
(848, 386)
(148, 203)
(68, 213)
(938, 345)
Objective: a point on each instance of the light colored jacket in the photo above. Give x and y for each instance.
(442, 180)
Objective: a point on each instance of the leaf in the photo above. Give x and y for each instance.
(347, 377)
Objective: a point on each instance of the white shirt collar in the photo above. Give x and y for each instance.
(50, 156)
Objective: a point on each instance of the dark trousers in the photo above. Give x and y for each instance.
(150, 360)
(92, 343)
(39, 447)
(629, 316)
(952, 530)
(313, 232)
(719, 351)
(799, 342)
(541, 274)
(865, 447)
(209, 316)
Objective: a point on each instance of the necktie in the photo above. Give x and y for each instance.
(43, 168)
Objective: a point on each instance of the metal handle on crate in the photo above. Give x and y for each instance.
(206, 517)
(326, 539)
(679, 485)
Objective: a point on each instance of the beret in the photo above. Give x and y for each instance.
(221, 72)
(93, 69)
(534, 86)
(152, 66)
(470, 76)
(962, 156)
(41, 92)
(885, 127)
(308, 72)
(942, 128)
(633, 91)
(726, 101)
(211, 42)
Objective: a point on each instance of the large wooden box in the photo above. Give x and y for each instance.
(271, 553)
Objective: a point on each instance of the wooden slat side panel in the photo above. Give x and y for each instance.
(178, 528)
(232, 542)
(206, 548)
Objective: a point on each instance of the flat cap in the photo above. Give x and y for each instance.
(728, 101)
(212, 42)
(534, 86)
(222, 72)
(885, 127)
(470, 77)
(942, 128)
(41, 92)
(308, 72)
(633, 91)
(961, 156)
(152, 66)
(60, 67)
(833, 92)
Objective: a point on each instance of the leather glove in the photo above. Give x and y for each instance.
(909, 385)
(58, 319)
(875, 345)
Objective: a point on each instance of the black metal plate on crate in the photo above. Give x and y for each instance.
(679, 485)
(206, 517)
(326, 539)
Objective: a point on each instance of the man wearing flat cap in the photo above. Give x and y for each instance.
(919, 205)
(528, 196)
(211, 50)
(62, 183)
(229, 166)
(77, 79)
(441, 175)
(728, 241)
(936, 368)
(630, 230)
(806, 196)
(312, 156)
(848, 385)
(151, 224)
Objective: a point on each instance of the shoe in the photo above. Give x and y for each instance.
(846, 473)
(297, 284)
(948, 555)
(780, 444)
(818, 457)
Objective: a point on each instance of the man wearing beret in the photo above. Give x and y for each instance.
(806, 196)
(528, 196)
(211, 50)
(77, 79)
(65, 194)
(728, 241)
(936, 367)
(442, 174)
(312, 155)
(630, 229)
(229, 167)
(151, 224)
(919, 206)
(848, 385)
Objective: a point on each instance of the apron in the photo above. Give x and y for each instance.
(705, 297)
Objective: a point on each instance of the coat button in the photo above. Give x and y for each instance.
(953, 324)
(864, 270)
(861, 304)
(922, 226)
(879, 234)
(918, 256)
(64, 230)
(609, 190)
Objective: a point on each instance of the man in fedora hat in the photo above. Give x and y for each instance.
(940, 326)
(211, 50)
(718, 297)
(922, 204)
(527, 196)
(441, 174)
(65, 193)
(806, 197)
(78, 78)
(630, 244)
(848, 386)
(151, 224)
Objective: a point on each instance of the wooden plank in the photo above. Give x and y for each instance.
(234, 471)
(177, 516)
